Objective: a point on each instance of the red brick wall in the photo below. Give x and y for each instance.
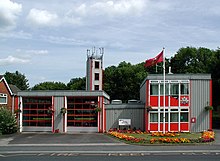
(4, 89)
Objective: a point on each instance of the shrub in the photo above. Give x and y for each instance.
(63, 110)
(8, 123)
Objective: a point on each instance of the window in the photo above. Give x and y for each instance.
(154, 89)
(96, 87)
(96, 64)
(166, 117)
(173, 117)
(96, 76)
(174, 89)
(184, 88)
(184, 117)
(3, 98)
(166, 89)
(154, 117)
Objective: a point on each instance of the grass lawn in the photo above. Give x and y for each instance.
(158, 137)
(181, 135)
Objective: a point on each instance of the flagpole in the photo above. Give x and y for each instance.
(164, 93)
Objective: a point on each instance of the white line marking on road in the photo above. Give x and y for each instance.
(185, 152)
(2, 155)
(86, 144)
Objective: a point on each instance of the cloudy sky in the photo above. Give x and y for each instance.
(47, 39)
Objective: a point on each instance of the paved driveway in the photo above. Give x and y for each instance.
(47, 138)
(73, 139)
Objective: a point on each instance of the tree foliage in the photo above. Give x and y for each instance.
(199, 60)
(123, 82)
(77, 84)
(8, 123)
(193, 60)
(50, 86)
(17, 79)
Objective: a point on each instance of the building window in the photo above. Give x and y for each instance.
(174, 117)
(96, 76)
(166, 89)
(3, 98)
(96, 64)
(161, 116)
(153, 117)
(184, 115)
(184, 88)
(174, 89)
(154, 89)
(96, 87)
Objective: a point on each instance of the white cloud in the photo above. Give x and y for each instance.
(16, 35)
(9, 12)
(120, 7)
(42, 18)
(109, 8)
(11, 60)
(65, 40)
(37, 52)
(28, 54)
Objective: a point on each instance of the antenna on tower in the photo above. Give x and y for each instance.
(88, 53)
(101, 51)
(93, 51)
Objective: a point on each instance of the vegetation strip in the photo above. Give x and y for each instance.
(158, 137)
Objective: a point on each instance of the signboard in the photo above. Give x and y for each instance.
(193, 120)
(124, 122)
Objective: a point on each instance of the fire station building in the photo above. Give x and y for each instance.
(186, 96)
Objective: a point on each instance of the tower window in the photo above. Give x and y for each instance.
(96, 76)
(96, 87)
(96, 64)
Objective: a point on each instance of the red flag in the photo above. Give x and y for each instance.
(154, 61)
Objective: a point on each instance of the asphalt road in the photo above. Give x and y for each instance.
(40, 144)
(59, 157)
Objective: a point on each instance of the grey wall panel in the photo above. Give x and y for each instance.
(200, 97)
(58, 117)
(82, 129)
(36, 129)
(62, 93)
(136, 116)
(143, 92)
(191, 76)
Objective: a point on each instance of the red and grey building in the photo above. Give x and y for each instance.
(41, 110)
(186, 96)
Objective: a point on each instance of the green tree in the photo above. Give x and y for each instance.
(77, 84)
(199, 60)
(17, 79)
(8, 123)
(123, 82)
(216, 78)
(50, 86)
(192, 60)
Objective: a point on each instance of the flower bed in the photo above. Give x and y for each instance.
(208, 136)
(158, 137)
(167, 134)
(126, 137)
